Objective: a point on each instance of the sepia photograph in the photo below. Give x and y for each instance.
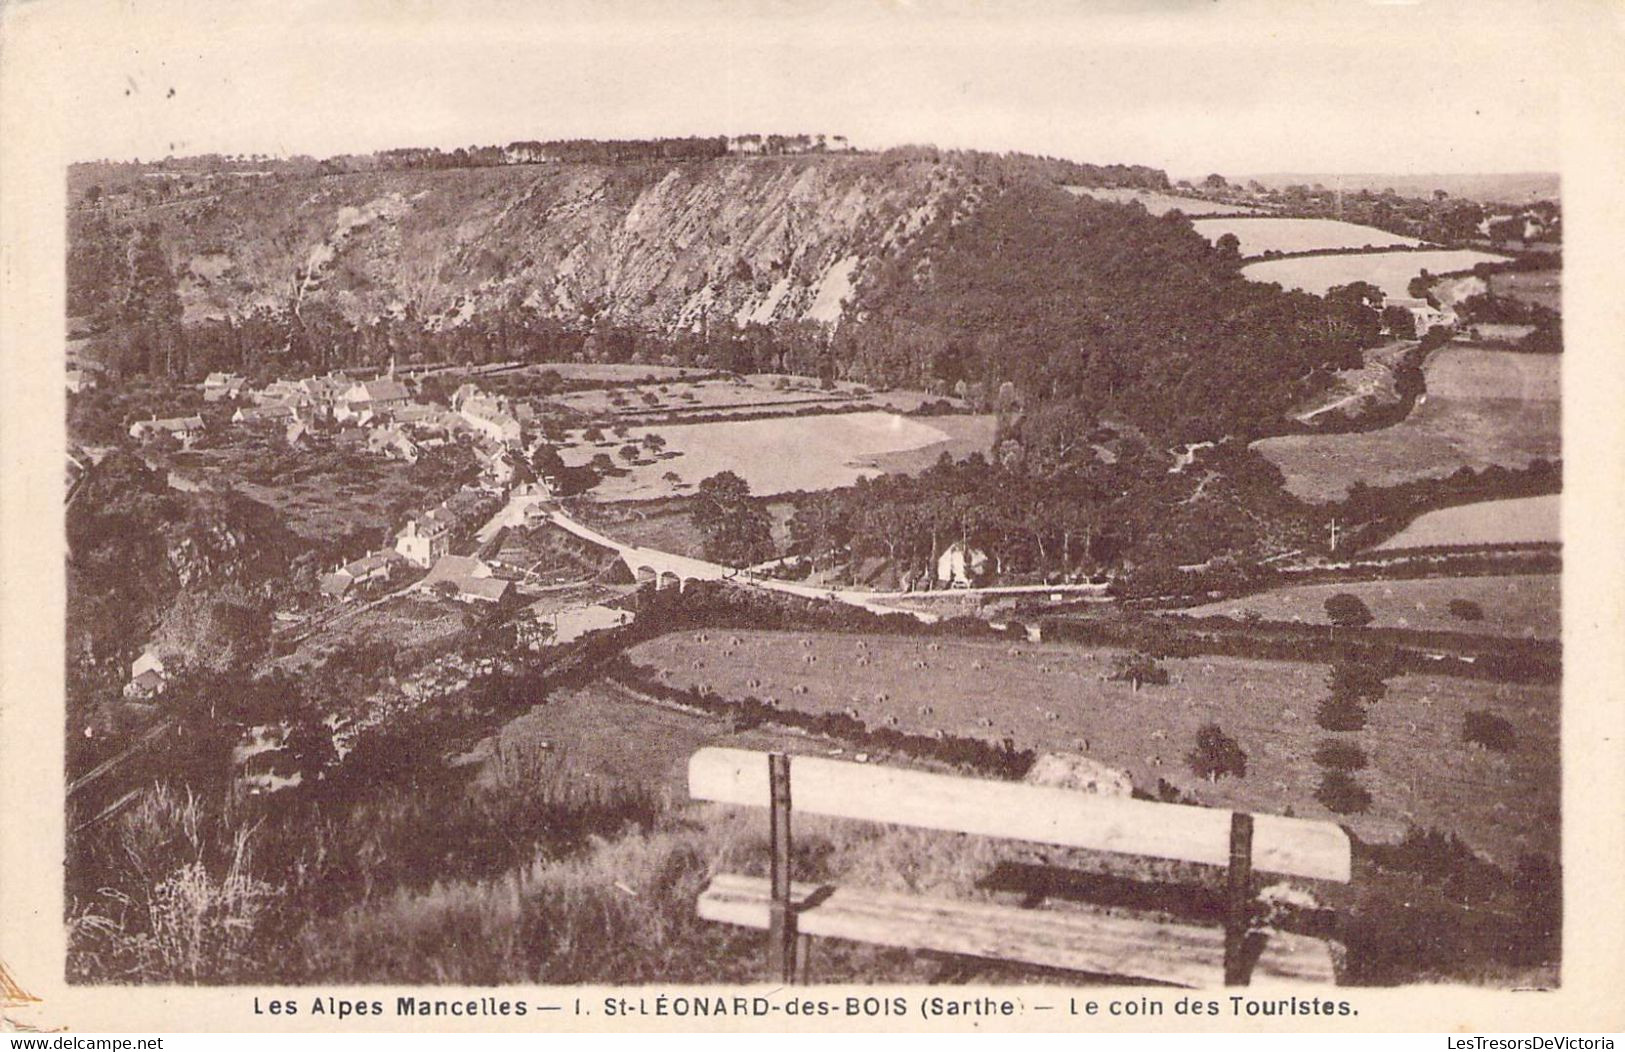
(866, 494)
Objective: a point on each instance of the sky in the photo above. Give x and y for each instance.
(1191, 86)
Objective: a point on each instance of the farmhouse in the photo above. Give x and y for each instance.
(81, 380)
(183, 428)
(960, 565)
(1423, 313)
(467, 578)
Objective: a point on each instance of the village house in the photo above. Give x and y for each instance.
(81, 380)
(325, 390)
(343, 582)
(378, 396)
(393, 443)
(491, 418)
(147, 675)
(1423, 313)
(961, 566)
(425, 538)
(270, 413)
(219, 386)
(497, 468)
(182, 428)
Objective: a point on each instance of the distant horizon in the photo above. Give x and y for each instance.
(1173, 176)
(1244, 86)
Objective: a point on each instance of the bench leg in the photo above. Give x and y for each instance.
(781, 932)
(1238, 900)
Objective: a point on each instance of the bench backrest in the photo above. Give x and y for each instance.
(1015, 811)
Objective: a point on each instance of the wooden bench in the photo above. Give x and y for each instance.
(1140, 947)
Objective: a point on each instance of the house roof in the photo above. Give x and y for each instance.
(379, 391)
(149, 680)
(491, 588)
(336, 583)
(457, 568)
(369, 563)
(175, 423)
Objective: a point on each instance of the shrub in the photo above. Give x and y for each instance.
(1138, 668)
(1489, 730)
(1466, 610)
(1341, 794)
(1340, 714)
(1216, 755)
(1346, 610)
(1356, 683)
(1340, 756)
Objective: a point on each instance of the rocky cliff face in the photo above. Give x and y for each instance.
(667, 247)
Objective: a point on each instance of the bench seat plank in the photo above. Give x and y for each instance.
(1017, 811)
(1097, 943)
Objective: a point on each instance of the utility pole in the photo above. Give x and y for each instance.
(1333, 528)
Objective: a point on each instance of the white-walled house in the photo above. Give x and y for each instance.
(960, 565)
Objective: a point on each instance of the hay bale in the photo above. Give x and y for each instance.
(1061, 770)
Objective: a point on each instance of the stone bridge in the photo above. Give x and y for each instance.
(648, 565)
(663, 569)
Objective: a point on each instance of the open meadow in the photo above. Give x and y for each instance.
(754, 393)
(1543, 288)
(1055, 697)
(1524, 606)
(1390, 271)
(1261, 234)
(1522, 520)
(1159, 203)
(1481, 408)
(777, 455)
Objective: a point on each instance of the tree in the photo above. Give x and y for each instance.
(1216, 755)
(1465, 610)
(1340, 755)
(1480, 727)
(1346, 610)
(1356, 683)
(1339, 793)
(1399, 322)
(1340, 714)
(1138, 668)
(734, 529)
(629, 451)
(653, 442)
